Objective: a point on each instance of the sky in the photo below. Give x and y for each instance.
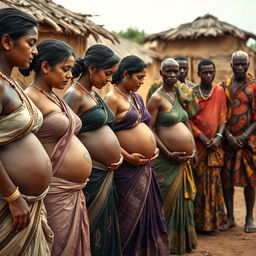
(154, 16)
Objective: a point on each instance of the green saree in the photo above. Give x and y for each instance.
(178, 189)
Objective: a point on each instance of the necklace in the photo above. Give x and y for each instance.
(169, 95)
(133, 101)
(89, 93)
(53, 97)
(204, 95)
(4, 77)
(128, 98)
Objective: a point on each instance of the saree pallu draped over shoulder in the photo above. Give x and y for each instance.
(140, 204)
(65, 204)
(35, 239)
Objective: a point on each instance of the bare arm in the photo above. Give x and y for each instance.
(19, 208)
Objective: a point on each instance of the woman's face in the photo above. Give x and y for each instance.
(100, 78)
(59, 75)
(135, 81)
(24, 50)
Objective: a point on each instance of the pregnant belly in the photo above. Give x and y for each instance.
(76, 165)
(102, 145)
(177, 138)
(27, 165)
(139, 139)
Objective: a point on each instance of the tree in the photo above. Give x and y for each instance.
(133, 34)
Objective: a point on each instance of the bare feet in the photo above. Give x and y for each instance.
(230, 224)
(250, 227)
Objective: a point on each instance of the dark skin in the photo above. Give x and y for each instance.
(119, 105)
(19, 54)
(240, 65)
(207, 74)
(80, 102)
(183, 70)
(156, 104)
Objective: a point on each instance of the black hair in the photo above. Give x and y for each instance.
(51, 50)
(205, 62)
(99, 56)
(132, 64)
(15, 23)
(180, 57)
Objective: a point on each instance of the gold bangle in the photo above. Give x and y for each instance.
(13, 196)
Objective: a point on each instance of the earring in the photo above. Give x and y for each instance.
(124, 80)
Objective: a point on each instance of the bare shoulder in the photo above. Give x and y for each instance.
(33, 94)
(111, 97)
(155, 99)
(73, 94)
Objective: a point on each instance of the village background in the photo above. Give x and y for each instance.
(164, 28)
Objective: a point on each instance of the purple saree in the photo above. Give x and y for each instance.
(140, 205)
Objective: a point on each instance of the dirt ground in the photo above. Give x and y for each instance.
(234, 242)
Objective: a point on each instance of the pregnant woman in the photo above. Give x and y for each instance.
(24, 165)
(95, 70)
(142, 224)
(71, 163)
(169, 121)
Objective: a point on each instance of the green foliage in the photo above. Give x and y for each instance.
(133, 34)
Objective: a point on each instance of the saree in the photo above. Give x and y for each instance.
(65, 201)
(178, 189)
(240, 164)
(140, 205)
(209, 201)
(37, 237)
(100, 191)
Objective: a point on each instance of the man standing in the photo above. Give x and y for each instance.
(208, 126)
(240, 146)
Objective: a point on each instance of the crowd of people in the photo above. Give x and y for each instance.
(82, 175)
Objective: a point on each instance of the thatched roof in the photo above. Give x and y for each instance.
(205, 26)
(55, 18)
(126, 47)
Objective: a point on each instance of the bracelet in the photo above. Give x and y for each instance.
(219, 134)
(13, 196)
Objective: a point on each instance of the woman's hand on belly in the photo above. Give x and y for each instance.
(114, 166)
(137, 159)
(155, 156)
(179, 157)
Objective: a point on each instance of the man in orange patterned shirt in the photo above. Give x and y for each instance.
(240, 143)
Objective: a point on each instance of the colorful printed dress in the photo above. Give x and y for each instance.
(209, 202)
(240, 165)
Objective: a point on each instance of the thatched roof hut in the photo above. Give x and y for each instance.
(205, 37)
(126, 47)
(60, 23)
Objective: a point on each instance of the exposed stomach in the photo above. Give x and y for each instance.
(27, 164)
(76, 165)
(177, 138)
(139, 139)
(102, 145)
